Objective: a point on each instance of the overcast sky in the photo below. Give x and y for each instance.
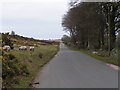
(39, 19)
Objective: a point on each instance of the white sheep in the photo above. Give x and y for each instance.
(22, 48)
(31, 48)
(94, 52)
(6, 47)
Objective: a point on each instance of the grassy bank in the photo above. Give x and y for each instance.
(20, 67)
(106, 59)
(33, 61)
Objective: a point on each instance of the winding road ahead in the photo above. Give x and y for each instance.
(72, 69)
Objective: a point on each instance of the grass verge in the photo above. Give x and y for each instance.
(97, 57)
(33, 61)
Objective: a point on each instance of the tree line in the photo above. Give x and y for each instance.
(92, 25)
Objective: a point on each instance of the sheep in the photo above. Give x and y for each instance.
(31, 48)
(23, 48)
(6, 47)
(94, 52)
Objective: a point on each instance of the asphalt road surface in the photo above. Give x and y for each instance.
(72, 69)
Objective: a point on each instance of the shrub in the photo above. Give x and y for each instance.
(115, 54)
(7, 41)
(9, 65)
(11, 69)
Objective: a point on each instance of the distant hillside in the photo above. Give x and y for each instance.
(20, 40)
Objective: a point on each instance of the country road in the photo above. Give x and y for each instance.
(72, 69)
